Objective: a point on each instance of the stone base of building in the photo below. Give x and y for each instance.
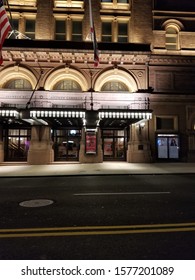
(1, 152)
(139, 152)
(85, 158)
(191, 156)
(40, 155)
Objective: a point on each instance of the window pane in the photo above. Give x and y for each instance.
(122, 29)
(60, 30)
(106, 28)
(165, 123)
(122, 1)
(18, 84)
(171, 30)
(30, 28)
(122, 32)
(171, 40)
(67, 85)
(13, 132)
(114, 86)
(171, 47)
(15, 27)
(77, 31)
(60, 26)
(106, 31)
(15, 23)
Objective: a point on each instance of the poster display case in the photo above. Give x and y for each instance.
(91, 142)
(168, 146)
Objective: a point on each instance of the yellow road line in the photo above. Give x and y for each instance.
(98, 227)
(96, 230)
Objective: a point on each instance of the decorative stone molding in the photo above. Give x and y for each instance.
(119, 75)
(17, 72)
(66, 73)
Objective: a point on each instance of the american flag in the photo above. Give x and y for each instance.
(4, 27)
(93, 36)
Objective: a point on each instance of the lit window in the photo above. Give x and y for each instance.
(67, 85)
(114, 31)
(32, 3)
(115, 4)
(114, 86)
(69, 29)
(172, 40)
(68, 4)
(18, 84)
(115, 1)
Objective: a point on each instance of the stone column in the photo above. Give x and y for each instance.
(40, 151)
(45, 19)
(93, 158)
(139, 144)
(141, 21)
(1, 145)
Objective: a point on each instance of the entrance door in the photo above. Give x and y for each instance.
(16, 144)
(66, 144)
(114, 144)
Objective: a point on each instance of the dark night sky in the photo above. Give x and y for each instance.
(175, 5)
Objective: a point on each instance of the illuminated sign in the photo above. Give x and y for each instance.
(90, 142)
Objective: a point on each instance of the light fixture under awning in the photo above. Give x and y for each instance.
(56, 114)
(9, 113)
(125, 115)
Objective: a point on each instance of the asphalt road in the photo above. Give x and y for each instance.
(98, 217)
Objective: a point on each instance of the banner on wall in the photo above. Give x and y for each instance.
(90, 142)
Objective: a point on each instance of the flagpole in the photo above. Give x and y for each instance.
(90, 16)
(93, 36)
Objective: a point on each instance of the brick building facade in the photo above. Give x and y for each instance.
(137, 105)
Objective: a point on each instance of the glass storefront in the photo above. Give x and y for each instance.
(66, 144)
(168, 146)
(114, 144)
(17, 143)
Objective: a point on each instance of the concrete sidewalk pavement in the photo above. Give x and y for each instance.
(105, 168)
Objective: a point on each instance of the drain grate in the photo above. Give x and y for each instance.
(36, 203)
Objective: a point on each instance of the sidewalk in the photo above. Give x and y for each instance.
(105, 168)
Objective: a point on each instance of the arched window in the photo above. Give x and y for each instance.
(18, 84)
(172, 38)
(114, 86)
(67, 85)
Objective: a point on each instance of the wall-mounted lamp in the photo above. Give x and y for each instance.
(141, 126)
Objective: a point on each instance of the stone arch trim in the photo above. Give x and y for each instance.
(17, 72)
(65, 73)
(173, 23)
(119, 75)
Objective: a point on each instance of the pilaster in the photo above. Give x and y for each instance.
(139, 144)
(44, 19)
(40, 150)
(90, 158)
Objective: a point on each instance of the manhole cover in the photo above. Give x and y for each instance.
(36, 203)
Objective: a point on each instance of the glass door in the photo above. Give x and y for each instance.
(66, 144)
(17, 143)
(114, 144)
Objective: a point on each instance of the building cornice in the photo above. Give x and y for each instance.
(73, 52)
